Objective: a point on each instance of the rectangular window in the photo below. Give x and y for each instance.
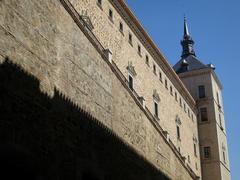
(207, 152)
(130, 82)
(154, 68)
(110, 14)
(184, 107)
(147, 60)
(176, 96)
(130, 38)
(121, 27)
(180, 101)
(171, 90)
(178, 132)
(160, 76)
(201, 91)
(166, 84)
(139, 49)
(204, 114)
(156, 109)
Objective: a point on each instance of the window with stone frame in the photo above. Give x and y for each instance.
(139, 50)
(147, 60)
(110, 15)
(171, 90)
(207, 152)
(130, 39)
(201, 91)
(154, 69)
(166, 84)
(203, 114)
(160, 76)
(156, 109)
(121, 27)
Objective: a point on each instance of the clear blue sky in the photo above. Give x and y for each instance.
(215, 27)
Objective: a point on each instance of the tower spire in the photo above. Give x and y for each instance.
(187, 42)
(186, 32)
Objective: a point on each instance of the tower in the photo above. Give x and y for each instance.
(205, 87)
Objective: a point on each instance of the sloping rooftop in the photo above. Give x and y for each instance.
(189, 63)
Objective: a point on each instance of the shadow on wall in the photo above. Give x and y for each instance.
(50, 138)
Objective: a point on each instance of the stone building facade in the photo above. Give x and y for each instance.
(86, 94)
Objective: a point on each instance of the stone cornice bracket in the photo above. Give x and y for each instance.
(156, 96)
(131, 69)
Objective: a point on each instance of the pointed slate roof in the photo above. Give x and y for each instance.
(189, 61)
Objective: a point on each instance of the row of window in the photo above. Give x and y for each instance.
(130, 40)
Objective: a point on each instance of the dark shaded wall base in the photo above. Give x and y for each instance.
(50, 138)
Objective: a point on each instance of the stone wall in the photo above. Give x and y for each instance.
(145, 80)
(59, 76)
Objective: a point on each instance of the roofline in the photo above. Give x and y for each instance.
(156, 50)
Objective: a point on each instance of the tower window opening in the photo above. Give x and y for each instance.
(201, 92)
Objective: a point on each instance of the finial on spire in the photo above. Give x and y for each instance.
(187, 42)
(186, 32)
